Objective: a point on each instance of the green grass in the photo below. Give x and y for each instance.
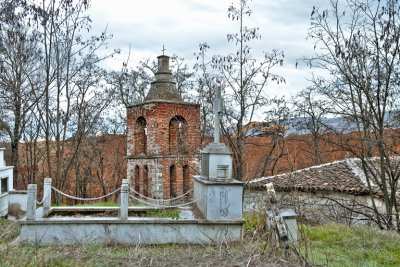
(253, 222)
(340, 245)
(163, 213)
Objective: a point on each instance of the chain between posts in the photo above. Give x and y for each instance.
(163, 206)
(46, 195)
(81, 198)
(166, 200)
(138, 199)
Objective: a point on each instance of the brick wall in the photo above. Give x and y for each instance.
(171, 139)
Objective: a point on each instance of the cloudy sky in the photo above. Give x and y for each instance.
(180, 25)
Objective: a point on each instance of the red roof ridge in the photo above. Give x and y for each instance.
(357, 171)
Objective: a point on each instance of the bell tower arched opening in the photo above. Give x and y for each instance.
(146, 183)
(186, 180)
(137, 179)
(178, 135)
(172, 181)
(141, 136)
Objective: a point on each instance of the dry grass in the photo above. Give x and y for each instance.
(251, 252)
(326, 245)
(236, 254)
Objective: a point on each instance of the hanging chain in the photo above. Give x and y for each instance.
(81, 198)
(164, 206)
(166, 200)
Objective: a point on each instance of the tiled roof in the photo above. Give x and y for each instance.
(338, 176)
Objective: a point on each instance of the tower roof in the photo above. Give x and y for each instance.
(163, 88)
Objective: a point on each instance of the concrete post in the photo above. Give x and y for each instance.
(46, 195)
(31, 202)
(123, 209)
(2, 161)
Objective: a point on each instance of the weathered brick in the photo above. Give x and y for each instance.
(163, 131)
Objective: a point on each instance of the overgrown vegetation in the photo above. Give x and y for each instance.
(336, 244)
(9, 230)
(326, 245)
(254, 222)
(340, 245)
(357, 43)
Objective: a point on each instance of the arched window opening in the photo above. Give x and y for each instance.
(178, 134)
(186, 182)
(140, 136)
(137, 179)
(146, 184)
(172, 181)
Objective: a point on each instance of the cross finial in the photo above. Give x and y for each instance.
(163, 49)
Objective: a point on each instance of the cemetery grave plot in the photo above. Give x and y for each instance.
(216, 196)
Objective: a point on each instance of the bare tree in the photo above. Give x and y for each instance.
(19, 71)
(131, 84)
(310, 110)
(246, 78)
(182, 76)
(33, 154)
(357, 47)
(73, 99)
(277, 116)
(206, 79)
(52, 89)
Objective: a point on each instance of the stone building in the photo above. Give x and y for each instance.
(163, 139)
(6, 183)
(12, 202)
(335, 191)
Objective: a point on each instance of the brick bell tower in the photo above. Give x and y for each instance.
(163, 139)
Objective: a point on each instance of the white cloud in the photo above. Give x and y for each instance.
(181, 25)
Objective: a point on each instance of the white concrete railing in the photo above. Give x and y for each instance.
(124, 199)
(46, 195)
(123, 208)
(31, 202)
(46, 201)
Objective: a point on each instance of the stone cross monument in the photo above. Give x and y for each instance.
(219, 195)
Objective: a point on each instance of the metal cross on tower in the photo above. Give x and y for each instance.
(163, 49)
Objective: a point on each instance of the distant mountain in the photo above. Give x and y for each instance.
(340, 124)
(299, 125)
